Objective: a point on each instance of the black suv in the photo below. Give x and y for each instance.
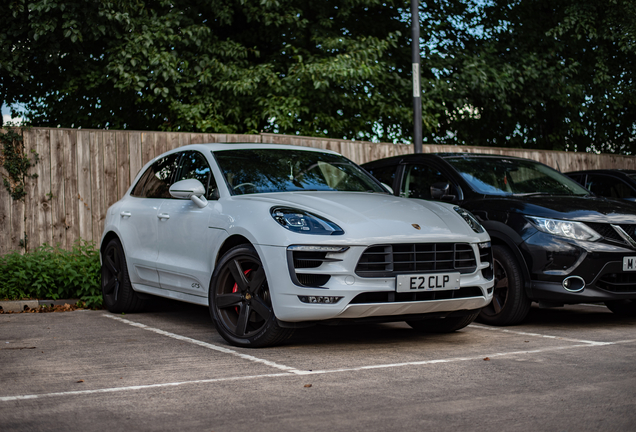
(553, 241)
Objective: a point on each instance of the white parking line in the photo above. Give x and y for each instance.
(138, 387)
(498, 329)
(305, 373)
(290, 371)
(206, 345)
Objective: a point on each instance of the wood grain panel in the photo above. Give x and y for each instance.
(44, 195)
(84, 195)
(58, 228)
(71, 195)
(98, 190)
(123, 163)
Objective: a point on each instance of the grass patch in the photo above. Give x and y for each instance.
(53, 273)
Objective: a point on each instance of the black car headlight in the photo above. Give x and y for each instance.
(470, 219)
(563, 228)
(303, 222)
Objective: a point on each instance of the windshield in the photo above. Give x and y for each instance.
(249, 171)
(501, 176)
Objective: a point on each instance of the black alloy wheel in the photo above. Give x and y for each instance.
(240, 301)
(509, 305)
(117, 290)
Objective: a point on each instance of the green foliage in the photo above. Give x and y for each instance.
(16, 163)
(339, 68)
(53, 273)
(533, 73)
(542, 74)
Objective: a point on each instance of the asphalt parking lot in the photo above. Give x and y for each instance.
(567, 369)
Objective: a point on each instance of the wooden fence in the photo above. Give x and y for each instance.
(82, 172)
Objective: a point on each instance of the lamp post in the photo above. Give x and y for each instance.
(415, 55)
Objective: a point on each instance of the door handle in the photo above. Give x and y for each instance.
(163, 216)
(125, 214)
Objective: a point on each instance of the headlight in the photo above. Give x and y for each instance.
(567, 229)
(304, 222)
(470, 219)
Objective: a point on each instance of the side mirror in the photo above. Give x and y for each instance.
(440, 191)
(191, 189)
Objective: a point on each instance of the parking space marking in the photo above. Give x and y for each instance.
(139, 387)
(206, 345)
(539, 335)
(305, 373)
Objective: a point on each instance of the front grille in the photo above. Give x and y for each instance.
(392, 296)
(610, 234)
(304, 260)
(312, 280)
(618, 282)
(393, 259)
(485, 256)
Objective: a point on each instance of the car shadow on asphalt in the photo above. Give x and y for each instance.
(538, 319)
(576, 316)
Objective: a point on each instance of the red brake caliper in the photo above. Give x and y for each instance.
(235, 287)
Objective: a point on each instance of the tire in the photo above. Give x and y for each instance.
(509, 305)
(240, 301)
(443, 325)
(117, 290)
(626, 308)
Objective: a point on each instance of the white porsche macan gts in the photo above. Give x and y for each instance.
(275, 237)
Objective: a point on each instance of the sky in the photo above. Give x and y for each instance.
(6, 117)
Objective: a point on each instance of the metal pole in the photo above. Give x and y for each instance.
(415, 54)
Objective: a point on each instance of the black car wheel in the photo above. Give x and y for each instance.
(509, 305)
(240, 302)
(443, 325)
(622, 307)
(117, 290)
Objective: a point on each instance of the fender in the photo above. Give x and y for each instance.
(502, 233)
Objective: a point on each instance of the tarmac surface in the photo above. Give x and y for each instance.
(167, 369)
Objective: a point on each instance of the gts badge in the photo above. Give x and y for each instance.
(196, 285)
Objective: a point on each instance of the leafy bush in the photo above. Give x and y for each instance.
(53, 273)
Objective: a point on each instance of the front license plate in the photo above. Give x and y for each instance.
(428, 282)
(629, 263)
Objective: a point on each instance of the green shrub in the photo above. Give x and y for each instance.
(53, 273)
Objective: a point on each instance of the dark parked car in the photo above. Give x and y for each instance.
(554, 242)
(610, 183)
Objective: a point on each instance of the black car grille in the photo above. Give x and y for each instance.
(308, 260)
(610, 234)
(393, 259)
(618, 282)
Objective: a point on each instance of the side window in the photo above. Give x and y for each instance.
(418, 180)
(193, 165)
(156, 181)
(579, 178)
(385, 174)
(608, 187)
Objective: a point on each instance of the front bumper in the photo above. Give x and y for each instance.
(600, 265)
(361, 297)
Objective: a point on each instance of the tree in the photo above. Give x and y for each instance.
(542, 74)
(326, 68)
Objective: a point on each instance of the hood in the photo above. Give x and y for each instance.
(585, 209)
(373, 217)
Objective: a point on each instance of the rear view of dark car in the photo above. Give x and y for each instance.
(553, 242)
